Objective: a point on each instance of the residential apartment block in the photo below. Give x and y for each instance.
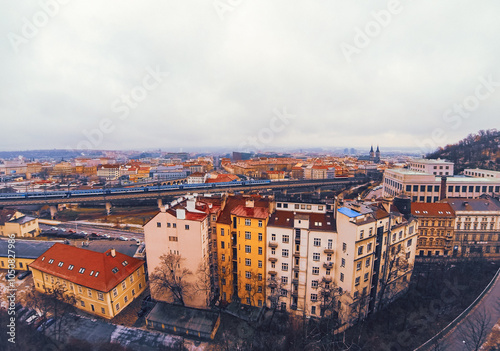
(436, 224)
(184, 228)
(477, 226)
(102, 283)
(241, 249)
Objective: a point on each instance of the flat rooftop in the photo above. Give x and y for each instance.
(432, 161)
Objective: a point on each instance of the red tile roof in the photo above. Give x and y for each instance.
(317, 221)
(251, 212)
(98, 273)
(436, 209)
(235, 201)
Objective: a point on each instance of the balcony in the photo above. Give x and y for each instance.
(293, 307)
(272, 272)
(273, 259)
(328, 265)
(272, 283)
(273, 244)
(328, 251)
(327, 279)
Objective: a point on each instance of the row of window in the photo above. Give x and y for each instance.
(173, 225)
(299, 206)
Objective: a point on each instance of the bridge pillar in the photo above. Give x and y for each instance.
(108, 208)
(53, 211)
(160, 203)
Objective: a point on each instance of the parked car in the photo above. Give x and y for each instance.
(23, 275)
(46, 324)
(145, 301)
(28, 315)
(31, 319)
(123, 238)
(141, 312)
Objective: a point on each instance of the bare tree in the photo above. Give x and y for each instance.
(275, 293)
(475, 329)
(391, 277)
(203, 284)
(169, 278)
(252, 286)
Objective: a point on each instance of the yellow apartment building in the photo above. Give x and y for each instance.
(241, 249)
(103, 283)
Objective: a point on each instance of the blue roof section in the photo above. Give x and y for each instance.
(348, 212)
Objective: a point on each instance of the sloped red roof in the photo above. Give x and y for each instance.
(435, 209)
(98, 273)
(236, 201)
(250, 212)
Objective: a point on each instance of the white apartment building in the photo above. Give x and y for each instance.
(311, 252)
(300, 256)
(436, 167)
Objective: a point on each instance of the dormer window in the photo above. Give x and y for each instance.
(70, 267)
(60, 264)
(81, 270)
(51, 261)
(124, 263)
(114, 270)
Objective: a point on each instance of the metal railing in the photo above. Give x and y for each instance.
(432, 341)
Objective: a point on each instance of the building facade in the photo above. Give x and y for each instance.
(436, 225)
(102, 283)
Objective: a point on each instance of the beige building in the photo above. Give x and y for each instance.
(427, 187)
(477, 226)
(17, 223)
(183, 229)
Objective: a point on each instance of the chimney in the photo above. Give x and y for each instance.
(443, 188)
(180, 213)
(113, 252)
(249, 203)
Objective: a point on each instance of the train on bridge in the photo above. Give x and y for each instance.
(115, 191)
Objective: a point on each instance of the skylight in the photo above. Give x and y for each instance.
(124, 263)
(60, 264)
(70, 267)
(81, 270)
(96, 274)
(114, 270)
(91, 273)
(51, 261)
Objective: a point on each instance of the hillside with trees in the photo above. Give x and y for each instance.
(475, 151)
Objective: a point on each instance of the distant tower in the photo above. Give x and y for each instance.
(372, 154)
(377, 153)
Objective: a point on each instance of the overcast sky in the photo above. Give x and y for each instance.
(189, 74)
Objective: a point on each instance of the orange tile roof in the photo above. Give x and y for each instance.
(98, 267)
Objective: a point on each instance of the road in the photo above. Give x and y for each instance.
(78, 227)
(454, 340)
